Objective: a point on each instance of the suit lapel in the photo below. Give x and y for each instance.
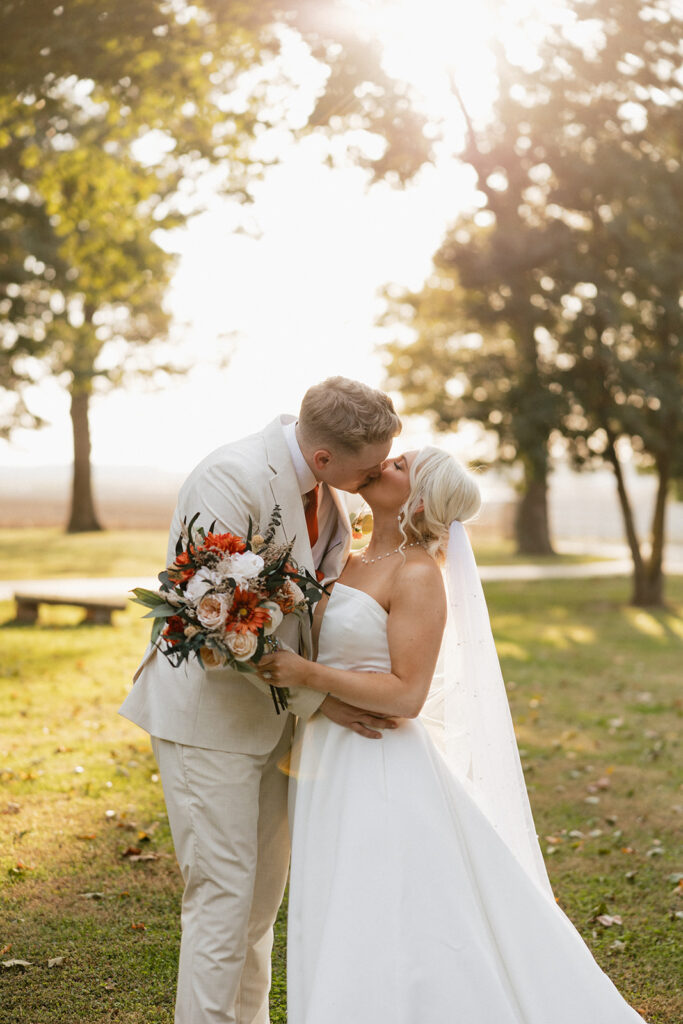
(285, 490)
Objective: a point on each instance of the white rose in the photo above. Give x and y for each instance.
(242, 645)
(242, 567)
(275, 617)
(212, 610)
(198, 585)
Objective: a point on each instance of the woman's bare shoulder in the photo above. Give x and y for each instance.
(419, 574)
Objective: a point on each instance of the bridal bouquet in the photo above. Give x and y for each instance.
(224, 596)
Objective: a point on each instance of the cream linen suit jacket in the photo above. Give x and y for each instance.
(221, 709)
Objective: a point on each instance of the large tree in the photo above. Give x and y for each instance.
(578, 247)
(82, 202)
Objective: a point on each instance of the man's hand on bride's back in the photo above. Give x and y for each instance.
(365, 723)
(285, 669)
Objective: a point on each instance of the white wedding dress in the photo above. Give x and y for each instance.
(405, 905)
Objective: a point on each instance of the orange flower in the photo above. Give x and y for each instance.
(228, 542)
(285, 601)
(245, 616)
(176, 573)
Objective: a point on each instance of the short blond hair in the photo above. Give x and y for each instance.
(345, 414)
(441, 490)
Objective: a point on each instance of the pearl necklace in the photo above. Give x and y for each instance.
(378, 558)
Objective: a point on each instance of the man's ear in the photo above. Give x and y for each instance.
(321, 458)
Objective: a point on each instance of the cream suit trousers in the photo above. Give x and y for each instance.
(228, 818)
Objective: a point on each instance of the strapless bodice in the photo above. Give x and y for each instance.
(353, 632)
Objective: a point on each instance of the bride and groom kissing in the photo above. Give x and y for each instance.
(418, 893)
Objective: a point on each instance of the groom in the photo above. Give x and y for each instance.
(215, 734)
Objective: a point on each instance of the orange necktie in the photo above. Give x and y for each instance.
(311, 512)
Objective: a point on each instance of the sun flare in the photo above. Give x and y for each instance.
(434, 43)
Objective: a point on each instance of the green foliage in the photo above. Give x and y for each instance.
(82, 210)
(555, 308)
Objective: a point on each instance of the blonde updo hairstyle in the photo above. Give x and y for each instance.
(441, 490)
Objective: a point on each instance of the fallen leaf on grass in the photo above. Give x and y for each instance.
(55, 961)
(11, 809)
(87, 835)
(131, 851)
(676, 915)
(91, 895)
(23, 964)
(5, 949)
(138, 857)
(617, 946)
(19, 870)
(138, 926)
(608, 920)
(109, 984)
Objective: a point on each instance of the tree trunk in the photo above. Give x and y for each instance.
(83, 517)
(648, 590)
(648, 579)
(531, 520)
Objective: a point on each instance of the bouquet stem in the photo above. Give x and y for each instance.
(279, 698)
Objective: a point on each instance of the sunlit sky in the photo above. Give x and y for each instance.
(297, 300)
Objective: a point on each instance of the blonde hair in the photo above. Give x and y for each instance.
(441, 490)
(345, 414)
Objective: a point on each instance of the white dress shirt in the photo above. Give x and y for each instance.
(327, 512)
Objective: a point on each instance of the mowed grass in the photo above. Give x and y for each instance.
(44, 553)
(595, 692)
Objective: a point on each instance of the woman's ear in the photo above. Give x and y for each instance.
(421, 506)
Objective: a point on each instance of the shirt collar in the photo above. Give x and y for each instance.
(304, 473)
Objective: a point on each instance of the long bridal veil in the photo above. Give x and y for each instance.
(468, 716)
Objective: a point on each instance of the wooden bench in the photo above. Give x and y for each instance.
(98, 610)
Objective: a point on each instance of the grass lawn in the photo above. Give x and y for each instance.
(46, 552)
(595, 692)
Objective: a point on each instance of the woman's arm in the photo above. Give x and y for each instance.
(414, 630)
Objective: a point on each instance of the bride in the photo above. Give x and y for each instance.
(418, 893)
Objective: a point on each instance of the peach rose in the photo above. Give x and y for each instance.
(211, 657)
(242, 645)
(212, 609)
